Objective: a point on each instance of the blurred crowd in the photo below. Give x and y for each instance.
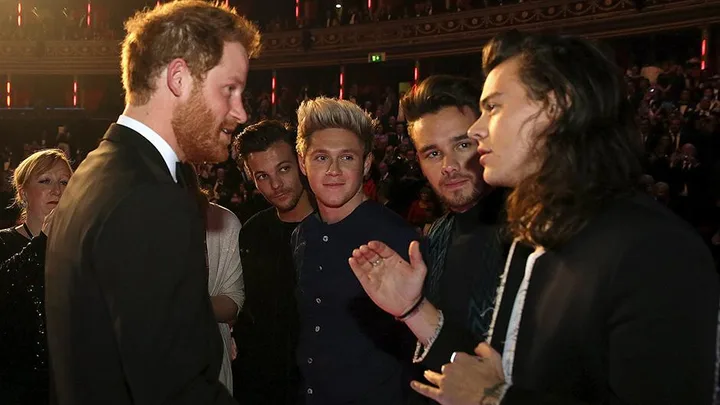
(678, 107)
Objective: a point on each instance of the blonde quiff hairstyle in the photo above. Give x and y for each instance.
(31, 168)
(193, 30)
(327, 113)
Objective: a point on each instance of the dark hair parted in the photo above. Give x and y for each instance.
(590, 153)
(437, 92)
(259, 137)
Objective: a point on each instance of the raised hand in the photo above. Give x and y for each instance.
(391, 282)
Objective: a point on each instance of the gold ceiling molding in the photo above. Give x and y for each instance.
(439, 35)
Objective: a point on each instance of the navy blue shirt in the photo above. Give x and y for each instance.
(350, 351)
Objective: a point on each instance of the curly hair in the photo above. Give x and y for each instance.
(589, 155)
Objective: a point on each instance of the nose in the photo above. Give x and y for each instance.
(276, 183)
(333, 168)
(479, 129)
(56, 188)
(237, 110)
(450, 165)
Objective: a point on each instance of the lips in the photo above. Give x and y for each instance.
(482, 153)
(334, 185)
(281, 196)
(454, 183)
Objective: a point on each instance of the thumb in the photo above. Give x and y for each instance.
(484, 350)
(416, 260)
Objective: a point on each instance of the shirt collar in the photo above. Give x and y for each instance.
(166, 151)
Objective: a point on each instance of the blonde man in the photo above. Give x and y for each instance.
(129, 316)
(348, 352)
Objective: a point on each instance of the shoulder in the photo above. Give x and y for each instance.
(639, 232)
(222, 217)
(259, 220)
(7, 233)
(389, 221)
(156, 206)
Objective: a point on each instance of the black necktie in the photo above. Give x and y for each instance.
(181, 174)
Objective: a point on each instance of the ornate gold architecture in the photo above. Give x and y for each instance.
(415, 38)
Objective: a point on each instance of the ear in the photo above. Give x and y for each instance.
(178, 78)
(301, 163)
(553, 108)
(368, 164)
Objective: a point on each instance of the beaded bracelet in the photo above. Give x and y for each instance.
(422, 352)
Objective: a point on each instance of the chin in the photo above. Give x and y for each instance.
(333, 201)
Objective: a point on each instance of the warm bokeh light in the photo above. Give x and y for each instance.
(75, 92)
(8, 98)
(342, 82)
(272, 95)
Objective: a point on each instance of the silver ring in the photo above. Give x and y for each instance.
(452, 358)
(377, 262)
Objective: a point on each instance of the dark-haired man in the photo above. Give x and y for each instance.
(464, 245)
(265, 371)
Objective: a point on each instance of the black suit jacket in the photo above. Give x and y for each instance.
(625, 313)
(129, 318)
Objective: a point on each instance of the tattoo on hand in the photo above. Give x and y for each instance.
(491, 395)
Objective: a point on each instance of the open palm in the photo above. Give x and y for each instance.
(391, 282)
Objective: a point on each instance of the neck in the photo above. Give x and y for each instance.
(464, 208)
(155, 116)
(334, 215)
(301, 210)
(34, 224)
(459, 210)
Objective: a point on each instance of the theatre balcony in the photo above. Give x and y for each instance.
(445, 34)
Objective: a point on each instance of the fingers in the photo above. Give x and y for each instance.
(426, 390)
(459, 357)
(484, 350)
(416, 260)
(361, 271)
(433, 377)
(370, 255)
(360, 258)
(381, 249)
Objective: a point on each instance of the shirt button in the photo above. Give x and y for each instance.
(309, 391)
(325, 238)
(317, 329)
(319, 268)
(318, 300)
(310, 360)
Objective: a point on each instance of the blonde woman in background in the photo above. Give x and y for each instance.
(39, 182)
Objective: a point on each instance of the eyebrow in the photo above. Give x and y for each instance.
(454, 139)
(237, 79)
(484, 102)
(284, 162)
(354, 152)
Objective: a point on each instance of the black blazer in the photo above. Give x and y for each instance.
(624, 313)
(129, 318)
